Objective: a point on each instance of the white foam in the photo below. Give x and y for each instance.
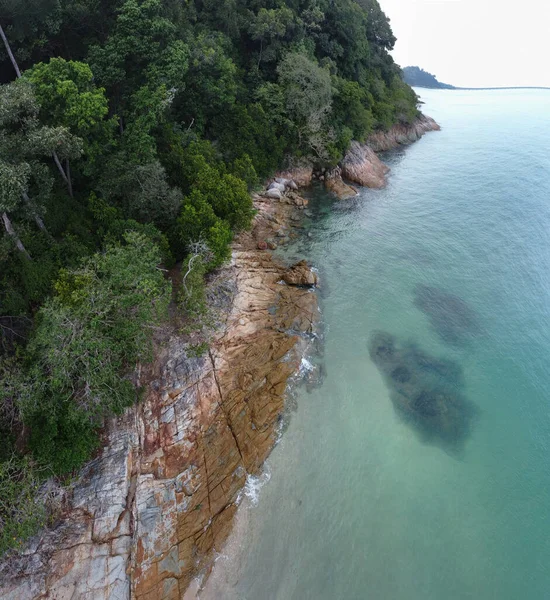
(254, 484)
(305, 366)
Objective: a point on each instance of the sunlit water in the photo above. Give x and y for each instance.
(361, 502)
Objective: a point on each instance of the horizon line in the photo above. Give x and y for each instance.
(505, 87)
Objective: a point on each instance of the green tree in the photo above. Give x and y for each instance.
(198, 221)
(308, 93)
(268, 27)
(68, 96)
(89, 336)
(24, 145)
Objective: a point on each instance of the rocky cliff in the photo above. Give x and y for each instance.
(402, 135)
(148, 514)
(362, 165)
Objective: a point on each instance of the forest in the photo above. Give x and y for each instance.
(131, 135)
(417, 77)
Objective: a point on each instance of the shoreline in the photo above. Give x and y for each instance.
(368, 168)
(158, 504)
(151, 510)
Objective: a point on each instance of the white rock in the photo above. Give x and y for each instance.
(274, 193)
(275, 185)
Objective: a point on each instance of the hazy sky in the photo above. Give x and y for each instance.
(474, 42)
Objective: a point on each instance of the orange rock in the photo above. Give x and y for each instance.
(161, 497)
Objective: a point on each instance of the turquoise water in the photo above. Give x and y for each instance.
(364, 502)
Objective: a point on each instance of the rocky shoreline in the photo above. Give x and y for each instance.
(148, 514)
(362, 166)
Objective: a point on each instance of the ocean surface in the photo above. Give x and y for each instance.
(420, 468)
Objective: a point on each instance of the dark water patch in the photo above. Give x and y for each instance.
(426, 391)
(452, 318)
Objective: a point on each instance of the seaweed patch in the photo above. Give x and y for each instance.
(425, 390)
(453, 319)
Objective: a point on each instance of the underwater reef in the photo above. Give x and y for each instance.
(452, 318)
(426, 391)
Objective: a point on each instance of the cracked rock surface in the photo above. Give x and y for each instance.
(151, 510)
(361, 164)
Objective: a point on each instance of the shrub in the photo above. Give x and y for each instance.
(89, 335)
(22, 514)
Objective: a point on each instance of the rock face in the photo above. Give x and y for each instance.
(335, 184)
(361, 165)
(302, 176)
(402, 135)
(147, 514)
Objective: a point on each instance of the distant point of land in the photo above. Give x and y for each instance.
(417, 77)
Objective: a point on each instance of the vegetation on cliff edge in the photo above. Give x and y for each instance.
(131, 133)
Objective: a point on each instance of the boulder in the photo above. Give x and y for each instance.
(300, 275)
(301, 176)
(276, 185)
(335, 184)
(361, 165)
(273, 193)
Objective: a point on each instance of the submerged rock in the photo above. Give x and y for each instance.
(425, 391)
(450, 316)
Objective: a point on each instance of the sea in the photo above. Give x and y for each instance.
(418, 468)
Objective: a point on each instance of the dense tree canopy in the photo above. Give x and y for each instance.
(131, 133)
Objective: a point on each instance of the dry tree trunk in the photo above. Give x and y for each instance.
(10, 53)
(37, 219)
(66, 178)
(13, 234)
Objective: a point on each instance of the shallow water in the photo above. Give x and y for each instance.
(366, 498)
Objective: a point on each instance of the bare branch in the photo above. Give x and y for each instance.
(10, 53)
(13, 234)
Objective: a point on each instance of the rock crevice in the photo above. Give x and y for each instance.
(149, 513)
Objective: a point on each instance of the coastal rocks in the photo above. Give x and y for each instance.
(451, 317)
(278, 188)
(273, 193)
(279, 185)
(361, 165)
(302, 176)
(151, 510)
(402, 135)
(425, 391)
(335, 184)
(300, 275)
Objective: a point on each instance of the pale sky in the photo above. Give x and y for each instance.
(474, 43)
